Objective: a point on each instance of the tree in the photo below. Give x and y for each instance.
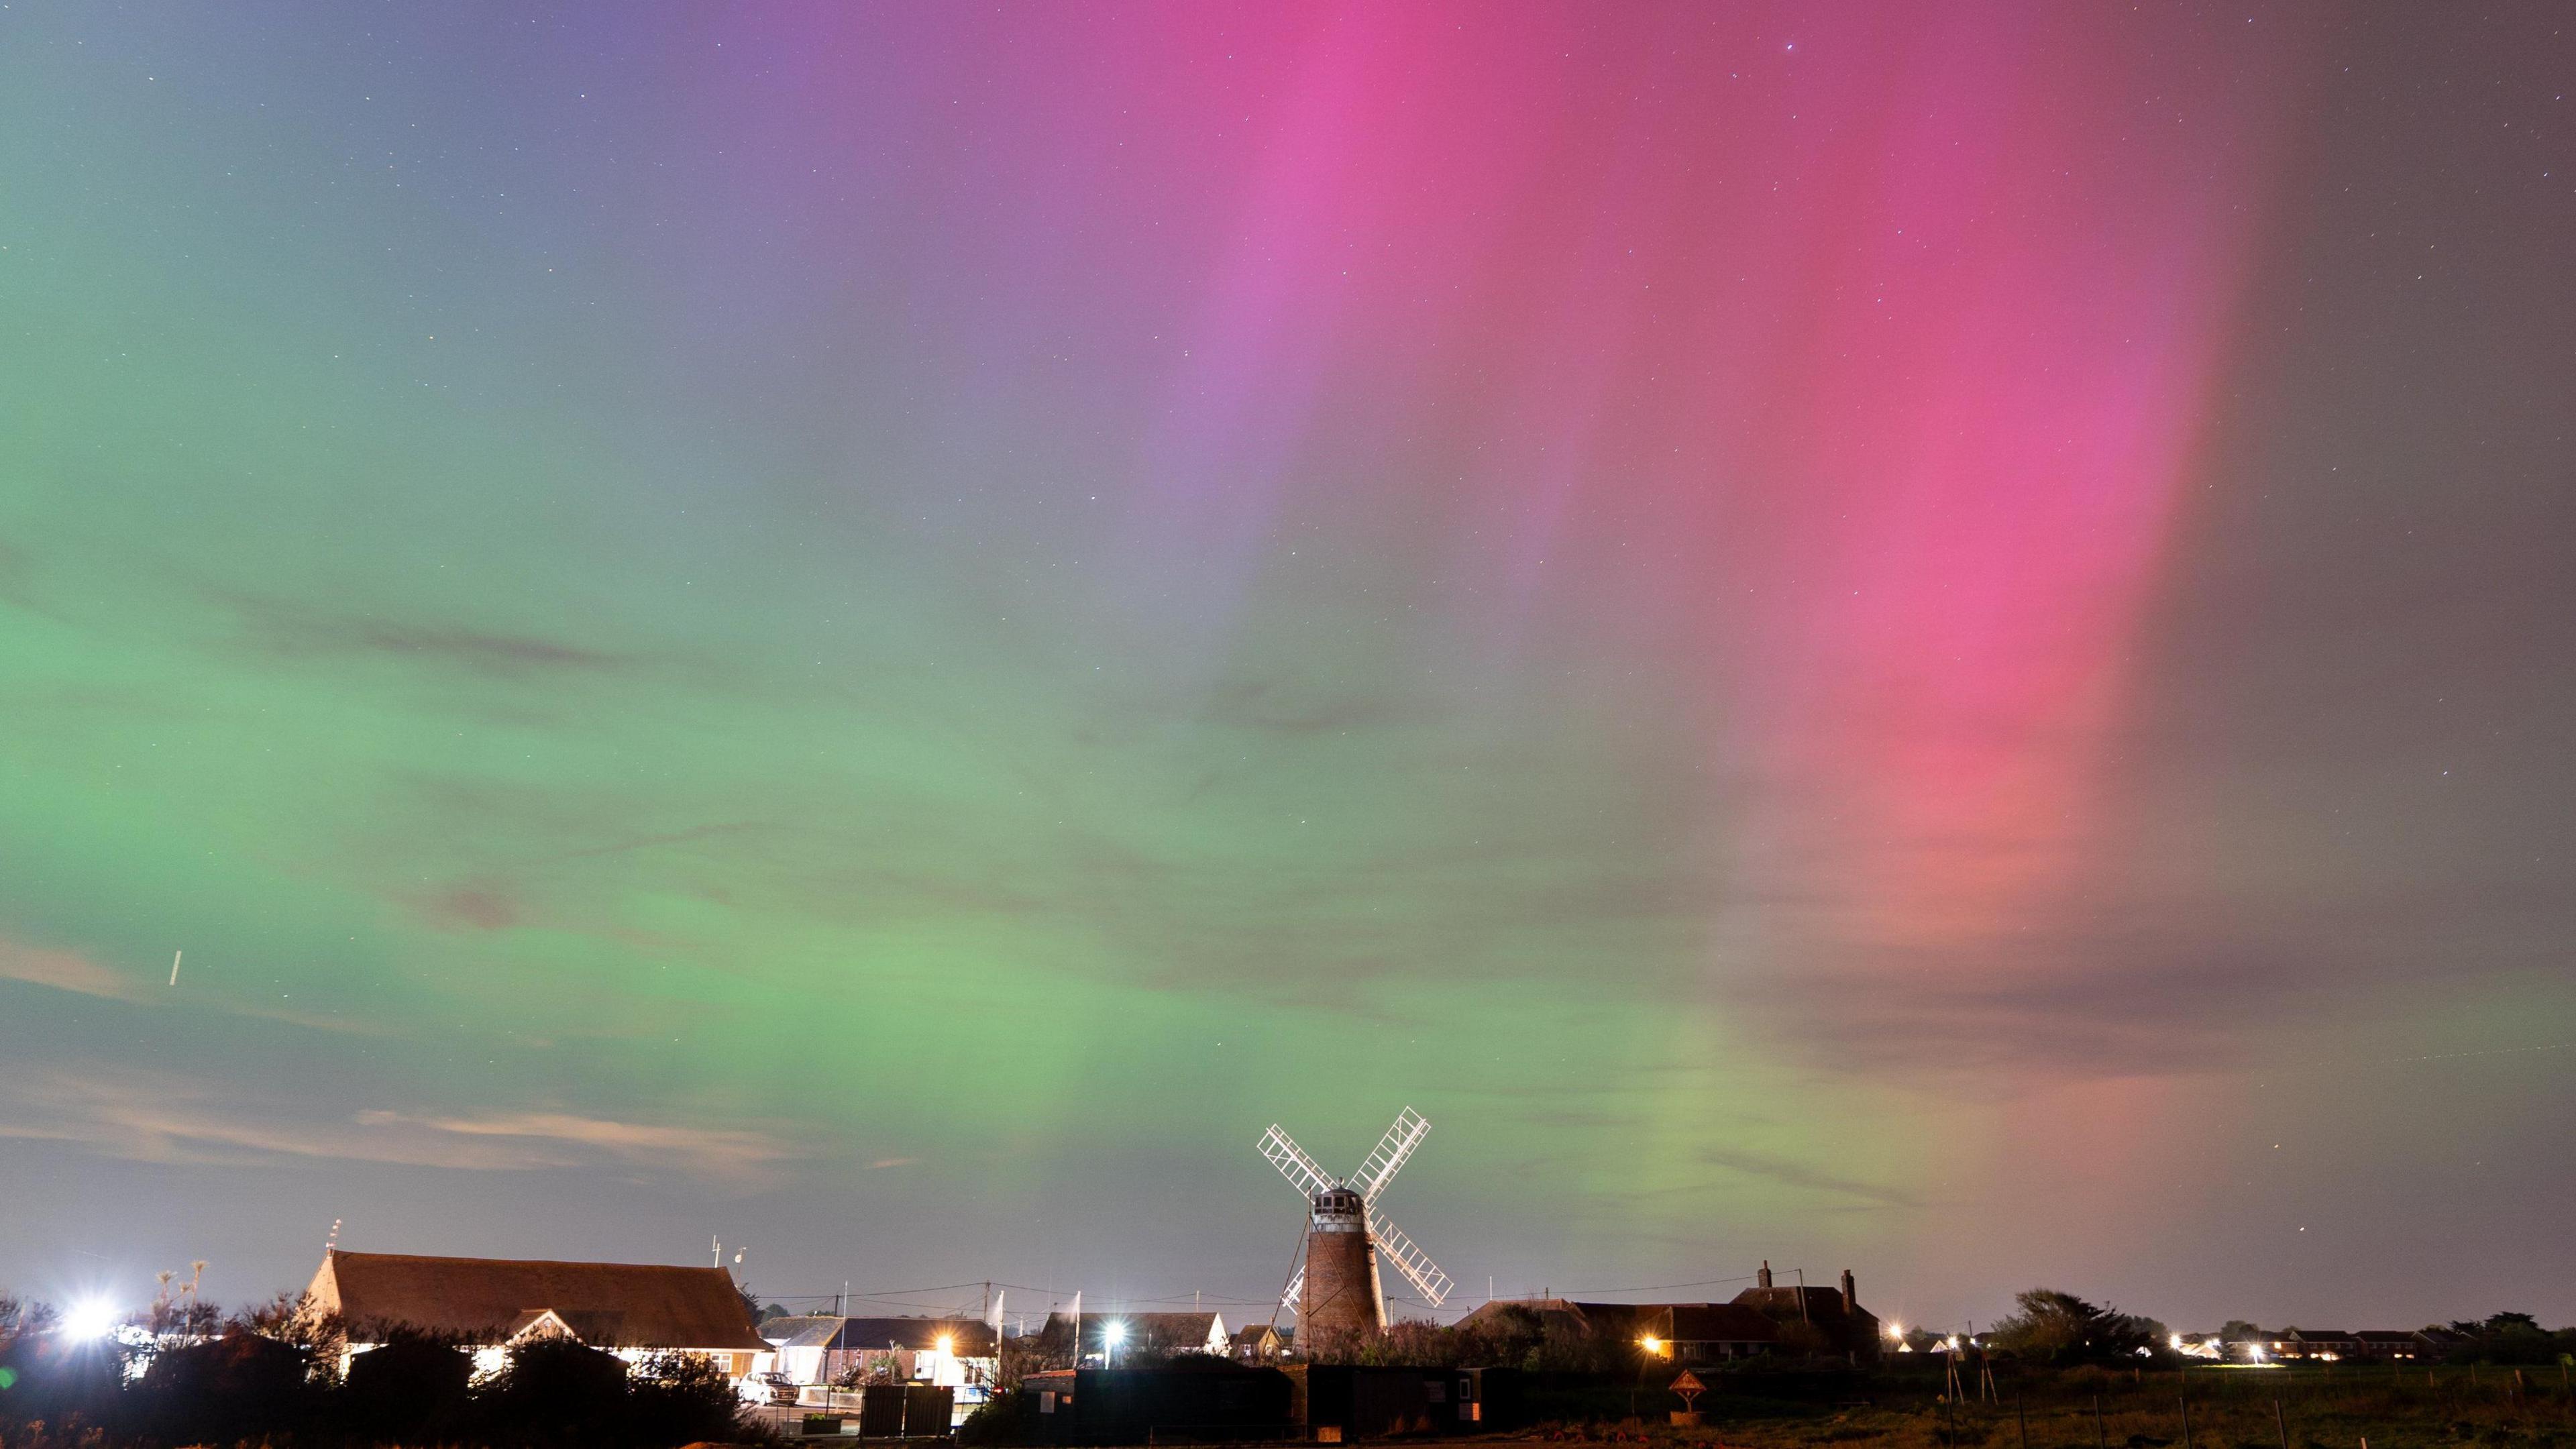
(25, 1318)
(685, 1398)
(2060, 1328)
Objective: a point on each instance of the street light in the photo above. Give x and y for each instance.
(1652, 1343)
(1113, 1334)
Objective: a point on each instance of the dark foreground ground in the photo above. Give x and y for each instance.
(2335, 1407)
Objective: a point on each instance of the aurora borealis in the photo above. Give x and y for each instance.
(1931, 639)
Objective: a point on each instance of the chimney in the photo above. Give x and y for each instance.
(1763, 1279)
(1851, 1304)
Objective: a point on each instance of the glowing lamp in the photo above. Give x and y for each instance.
(90, 1319)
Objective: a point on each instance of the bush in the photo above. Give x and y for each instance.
(994, 1421)
(555, 1391)
(238, 1386)
(411, 1387)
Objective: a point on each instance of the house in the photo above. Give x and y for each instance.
(2325, 1345)
(952, 1353)
(801, 1344)
(1705, 1332)
(1128, 1333)
(633, 1310)
(1685, 1333)
(1259, 1343)
(1816, 1320)
(2387, 1344)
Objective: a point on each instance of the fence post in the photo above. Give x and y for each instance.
(2023, 1422)
(2281, 1422)
(2101, 1436)
(2185, 1401)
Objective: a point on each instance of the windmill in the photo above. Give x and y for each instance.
(1336, 1288)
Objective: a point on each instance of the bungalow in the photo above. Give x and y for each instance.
(1166, 1332)
(952, 1353)
(633, 1310)
(1258, 1343)
(1685, 1333)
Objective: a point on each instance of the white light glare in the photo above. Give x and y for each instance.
(89, 1319)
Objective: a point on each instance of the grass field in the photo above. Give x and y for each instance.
(2336, 1407)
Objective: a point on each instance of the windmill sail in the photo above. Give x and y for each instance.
(1398, 1144)
(1293, 1163)
(1411, 1261)
(1344, 1219)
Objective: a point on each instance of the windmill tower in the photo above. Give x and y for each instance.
(1336, 1289)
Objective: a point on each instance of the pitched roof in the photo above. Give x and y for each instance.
(607, 1305)
(1549, 1312)
(1680, 1322)
(1820, 1304)
(1165, 1330)
(967, 1337)
(1719, 1323)
(801, 1332)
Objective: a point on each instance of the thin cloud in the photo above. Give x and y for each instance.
(76, 973)
(1798, 1174)
(169, 1120)
(716, 1152)
(289, 629)
(65, 971)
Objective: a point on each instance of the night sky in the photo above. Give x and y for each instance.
(1933, 639)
